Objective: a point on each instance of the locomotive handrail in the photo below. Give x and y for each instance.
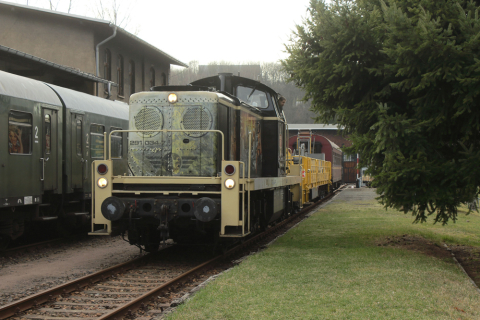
(164, 131)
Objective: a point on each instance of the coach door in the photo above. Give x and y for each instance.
(49, 158)
(78, 159)
(350, 171)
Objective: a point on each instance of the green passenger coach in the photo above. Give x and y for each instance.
(49, 137)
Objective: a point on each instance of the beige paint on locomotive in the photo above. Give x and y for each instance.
(195, 153)
(186, 153)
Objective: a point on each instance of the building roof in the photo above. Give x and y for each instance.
(316, 126)
(54, 65)
(101, 23)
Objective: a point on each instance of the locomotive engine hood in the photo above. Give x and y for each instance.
(173, 153)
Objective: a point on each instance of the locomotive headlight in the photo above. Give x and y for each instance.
(102, 182)
(172, 98)
(229, 183)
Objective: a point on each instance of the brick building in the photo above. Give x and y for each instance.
(80, 53)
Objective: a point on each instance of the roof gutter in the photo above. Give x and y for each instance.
(97, 55)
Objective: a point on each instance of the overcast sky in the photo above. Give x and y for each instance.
(210, 30)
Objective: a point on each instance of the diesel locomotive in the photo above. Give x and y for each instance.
(50, 136)
(208, 162)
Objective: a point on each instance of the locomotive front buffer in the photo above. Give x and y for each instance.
(169, 202)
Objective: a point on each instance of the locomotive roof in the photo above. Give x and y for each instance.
(226, 82)
(236, 80)
(28, 89)
(88, 103)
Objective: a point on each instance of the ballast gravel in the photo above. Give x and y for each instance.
(33, 272)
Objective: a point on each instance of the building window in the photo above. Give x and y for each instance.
(164, 79)
(107, 68)
(131, 73)
(117, 143)
(152, 77)
(120, 74)
(19, 133)
(96, 147)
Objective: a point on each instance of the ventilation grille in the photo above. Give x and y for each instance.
(149, 118)
(196, 119)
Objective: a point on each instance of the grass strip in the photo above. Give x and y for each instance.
(332, 266)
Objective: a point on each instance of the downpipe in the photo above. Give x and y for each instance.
(97, 54)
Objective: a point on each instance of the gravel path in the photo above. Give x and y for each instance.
(356, 194)
(29, 273)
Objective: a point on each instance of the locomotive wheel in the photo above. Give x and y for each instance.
(152, 241)
(4, 241)
(152, 247)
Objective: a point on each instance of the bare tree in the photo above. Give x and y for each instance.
(116, 12)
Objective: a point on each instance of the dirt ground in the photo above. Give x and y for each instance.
(33, 272)
(468, 257)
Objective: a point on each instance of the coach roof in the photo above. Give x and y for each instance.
(91, 104)
(25, 88)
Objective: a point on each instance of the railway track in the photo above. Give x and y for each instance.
(30, 247)
(145, 285)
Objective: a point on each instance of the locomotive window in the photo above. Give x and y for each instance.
(79, 136)
(19, 133)
(96, 147)
(253, 96)
(48, 133)
(117, 143)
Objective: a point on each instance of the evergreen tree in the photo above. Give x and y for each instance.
(402, 77)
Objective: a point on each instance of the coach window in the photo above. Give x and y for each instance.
(107, 68)
(120, 74)
(252, 96)
(152, 77)
(19, 133)
(97, 141)
(79, 137)
(131, 73)
(349, 157)
(117, 143)
(48, 133)
(164, 79)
